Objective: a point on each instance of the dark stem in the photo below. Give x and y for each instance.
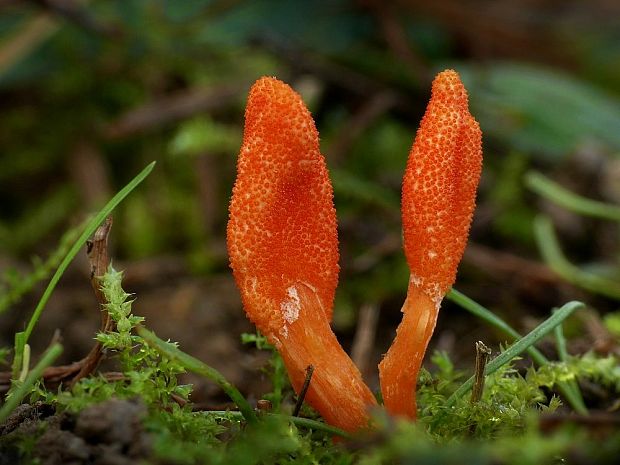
(482, 357)
(97, 251)
(304, 390)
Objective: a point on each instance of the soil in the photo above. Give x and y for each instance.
(109, 433)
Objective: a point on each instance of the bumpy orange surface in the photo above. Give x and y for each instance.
(439, 186)
(438, 200)
(282, 227)
(283, 247)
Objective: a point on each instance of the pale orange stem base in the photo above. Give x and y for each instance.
(398, 371)
(337, 390)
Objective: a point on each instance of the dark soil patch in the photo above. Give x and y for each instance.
(109, 433)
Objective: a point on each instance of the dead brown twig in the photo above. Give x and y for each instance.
(99, 261)
(482, 356)
(98, 255)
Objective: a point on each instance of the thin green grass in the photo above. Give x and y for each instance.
(550, 190)
(560, 343)
(49, 356)
(297, 421)
(198, 367)
(21, 338)
(570, 390)
(554, 257)
(520, 346)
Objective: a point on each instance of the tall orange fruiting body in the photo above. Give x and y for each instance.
(438, 200)
(283, 248)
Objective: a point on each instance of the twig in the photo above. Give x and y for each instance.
(482, 357)
(595, 421)
(98, 256)
(61, 373)
(90, 229)
(264, 406)
(90, 172)
(364, 339)
(99, 261)
(570, 390)
(520, 346)
(304, 390)
(387, 245)
(479, 31)
(504, 265)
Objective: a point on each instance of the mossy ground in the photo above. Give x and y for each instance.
(90, 96)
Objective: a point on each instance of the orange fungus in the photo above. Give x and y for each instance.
(438, 200)
(283, 247)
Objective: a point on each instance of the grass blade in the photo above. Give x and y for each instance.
(49, 356)
(297, 421)
(560, 343)
(520, 346)
(570, 390)
(73, 251)
(550, 190)
(201, 368)
(554, 257)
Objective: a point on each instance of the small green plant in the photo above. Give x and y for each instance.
(501, 425)
(146, 373)
(149, 368)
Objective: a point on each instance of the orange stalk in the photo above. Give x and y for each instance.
(438, 200)
(283, 248)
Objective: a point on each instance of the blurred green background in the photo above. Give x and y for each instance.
(92, 91)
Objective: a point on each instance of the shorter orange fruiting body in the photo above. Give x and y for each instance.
(438, 200)
(283, 247)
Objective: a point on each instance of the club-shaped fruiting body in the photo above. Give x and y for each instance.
(283, 248)
(438, 200)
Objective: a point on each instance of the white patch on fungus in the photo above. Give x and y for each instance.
(291, 305)
(415, 280)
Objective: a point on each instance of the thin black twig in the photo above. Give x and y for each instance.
(304, 390)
